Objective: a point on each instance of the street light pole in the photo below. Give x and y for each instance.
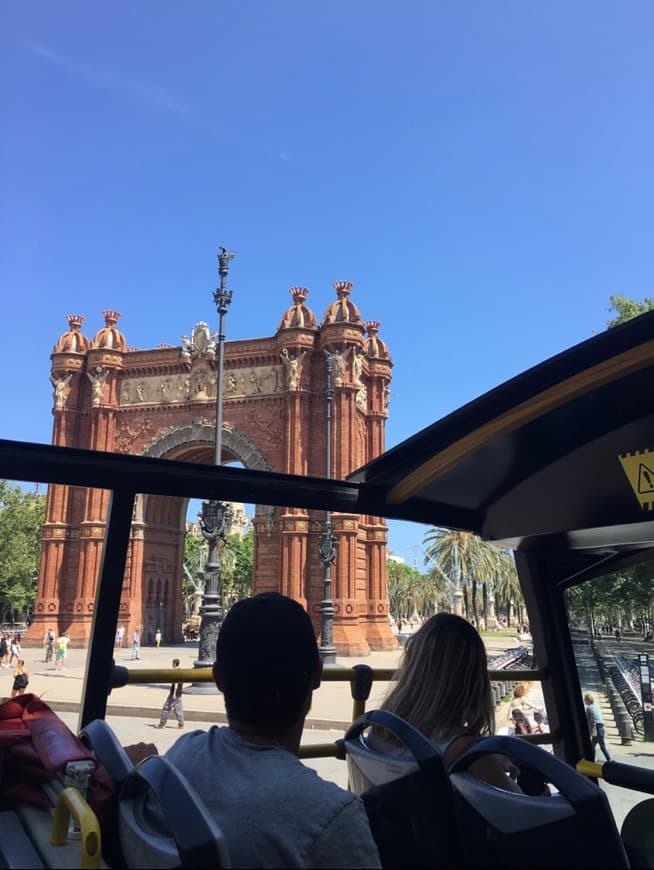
(215, 517)
(327, 546)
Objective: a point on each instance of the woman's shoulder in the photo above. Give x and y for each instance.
(455, 745)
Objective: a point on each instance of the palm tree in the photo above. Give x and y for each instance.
(508, 590)
(468, 563)
(412, 593)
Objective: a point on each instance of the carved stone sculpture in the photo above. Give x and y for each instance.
(338, 362)
(98, 381)
(61, 390)
(357, 366)
(293, 367)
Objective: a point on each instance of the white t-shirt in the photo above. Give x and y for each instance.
(274, 811)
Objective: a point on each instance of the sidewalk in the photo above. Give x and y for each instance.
(331, 708)
(332, 704)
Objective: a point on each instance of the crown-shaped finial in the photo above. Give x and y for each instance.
(111, 317)
(75, 321)
(342, 288)
(372, 326)
(299, 294)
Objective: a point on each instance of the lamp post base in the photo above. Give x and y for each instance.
(211, 620)
(327, 654)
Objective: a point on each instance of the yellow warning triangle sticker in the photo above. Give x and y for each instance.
(639, 468)
(645, 479)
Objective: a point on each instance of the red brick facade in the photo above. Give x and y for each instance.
(162, 403)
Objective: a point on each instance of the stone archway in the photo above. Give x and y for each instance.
(161, 402)
(158, 531)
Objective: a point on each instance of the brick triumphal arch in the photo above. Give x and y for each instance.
(161, 402)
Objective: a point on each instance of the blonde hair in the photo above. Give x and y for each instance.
(589, 698)
(443, 688)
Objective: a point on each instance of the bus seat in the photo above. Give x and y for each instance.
(368, 767)
(497, 828)
(16, 847)
(103, 743)
(408, 799)
(638, 834)
(177, 831)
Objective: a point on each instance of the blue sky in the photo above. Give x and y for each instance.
(481, 171)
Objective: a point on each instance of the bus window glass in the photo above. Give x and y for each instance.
(611, 622)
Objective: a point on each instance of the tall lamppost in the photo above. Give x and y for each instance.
(215, 517)
(327, 545)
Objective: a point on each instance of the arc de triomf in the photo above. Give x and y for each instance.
(161, 402)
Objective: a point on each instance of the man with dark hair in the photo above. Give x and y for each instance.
(274, 811)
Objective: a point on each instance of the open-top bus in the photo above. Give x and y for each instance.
(555, 464)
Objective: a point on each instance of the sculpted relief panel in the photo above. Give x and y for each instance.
(199, 385)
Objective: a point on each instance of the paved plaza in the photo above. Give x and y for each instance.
(134, 709)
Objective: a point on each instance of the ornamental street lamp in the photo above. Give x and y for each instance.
(215, 517)
(327, 545)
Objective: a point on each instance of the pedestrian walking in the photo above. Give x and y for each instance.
(173, 703)
(120, 635)
(136, 645)
(595, 725)
(4, 652)
(49, 645)
(61, 651)
(15, 650)
(157, 637)
(21, 679)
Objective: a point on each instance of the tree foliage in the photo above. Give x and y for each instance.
(626, 309)
(466, 563)
(616, 598)
(238, 566)
(411, 593)
(236, 562)
(21, 517)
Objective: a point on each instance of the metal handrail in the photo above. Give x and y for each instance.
(617, 773)
(331, 674)
(70, 802)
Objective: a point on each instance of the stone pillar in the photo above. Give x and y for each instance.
(53, 605)
(378, 627)
(349, 589)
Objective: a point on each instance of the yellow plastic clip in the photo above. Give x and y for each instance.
(589, 768)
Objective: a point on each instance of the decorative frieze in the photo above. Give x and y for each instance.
(199, 385)
(127, 435)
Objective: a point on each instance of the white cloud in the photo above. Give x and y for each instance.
(109, 79)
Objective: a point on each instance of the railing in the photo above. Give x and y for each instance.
(616, 773)
(70, 802)
(360, 677)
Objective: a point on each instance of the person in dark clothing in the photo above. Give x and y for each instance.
(173, 703)
(520, 722)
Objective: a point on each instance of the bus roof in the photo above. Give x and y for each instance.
(563, 452)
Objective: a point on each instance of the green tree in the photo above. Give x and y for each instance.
(21, 517)
(238, 566)
(508, 592)
(412, 593)
(626, 309)
(195, 558)
(614, 598)
(470, 566)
